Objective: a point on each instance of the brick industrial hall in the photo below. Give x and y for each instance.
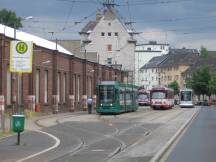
(59, 80)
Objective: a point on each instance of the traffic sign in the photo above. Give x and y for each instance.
(21, 56)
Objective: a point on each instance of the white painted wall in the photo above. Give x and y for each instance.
(122, 52)
(143, 54)
(149, 78)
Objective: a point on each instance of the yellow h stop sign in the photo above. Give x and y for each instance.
(21, 47)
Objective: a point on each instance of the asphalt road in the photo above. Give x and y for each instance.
(31, 142)
(93, 140)
(198, 144)
(127, 137)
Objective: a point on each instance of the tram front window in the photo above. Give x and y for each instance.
(158, 95)
(106, 94)
(143, 96)
(186, 96)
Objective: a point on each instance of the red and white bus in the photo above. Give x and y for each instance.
(143, 97)
(162, 98)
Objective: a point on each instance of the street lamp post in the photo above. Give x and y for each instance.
(84, 96)
(22, 19)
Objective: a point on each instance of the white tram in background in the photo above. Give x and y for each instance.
(186, 98)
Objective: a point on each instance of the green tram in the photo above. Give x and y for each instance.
(115, 97)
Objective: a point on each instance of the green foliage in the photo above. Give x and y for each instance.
(212, 83)
(188, 81)
(199, 81)
(204, 53)
(175, 86)
(10, 18)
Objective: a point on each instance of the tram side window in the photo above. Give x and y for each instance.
(121, 98)
(128, 97)
(117, 94)
(135, 96)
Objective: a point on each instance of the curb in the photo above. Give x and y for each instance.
(160, 153)
(36, 121)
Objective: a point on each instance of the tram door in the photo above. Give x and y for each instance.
(122, 99)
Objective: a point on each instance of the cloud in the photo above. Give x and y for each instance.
(207, 43)
(157, 34)
(52, 28)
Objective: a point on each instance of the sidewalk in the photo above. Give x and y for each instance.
(32, 123)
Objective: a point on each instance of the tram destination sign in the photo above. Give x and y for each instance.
(21, 56)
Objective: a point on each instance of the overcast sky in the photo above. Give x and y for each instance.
(181, 23)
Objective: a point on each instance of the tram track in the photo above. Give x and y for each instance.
(146, 134)
(123, 145)
(114, 135)
(83, 146)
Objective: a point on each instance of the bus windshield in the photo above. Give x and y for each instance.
(158, 95)
(186, 96)
(106, 94)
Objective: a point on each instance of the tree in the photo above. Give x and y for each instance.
(212, 84)
(175, 86)
(204, 53)
(199, 81)
(10, 18)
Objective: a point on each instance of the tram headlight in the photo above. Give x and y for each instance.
(110, 104)
(101, 104)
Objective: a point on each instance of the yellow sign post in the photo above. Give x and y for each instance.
(21, 54)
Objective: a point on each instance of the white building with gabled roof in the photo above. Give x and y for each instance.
(110, 38)
(144, 53)
(150, 73)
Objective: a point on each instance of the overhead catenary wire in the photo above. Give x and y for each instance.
(164, 2)
(69, 14)
(129, 3)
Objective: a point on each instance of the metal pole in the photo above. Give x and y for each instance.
(18, 138)
(2, 121)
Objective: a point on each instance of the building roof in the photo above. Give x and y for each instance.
(89, 27)
(174, 57)
(23, 36)
(184, 51)
(154, 62)
(74, 47)
(209, 61)
(180, 57)
(71, 45)
(107, 14)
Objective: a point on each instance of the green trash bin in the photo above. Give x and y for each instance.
(18, 123)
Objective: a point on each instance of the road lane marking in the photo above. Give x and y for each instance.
(98, 150)
(43, 151)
